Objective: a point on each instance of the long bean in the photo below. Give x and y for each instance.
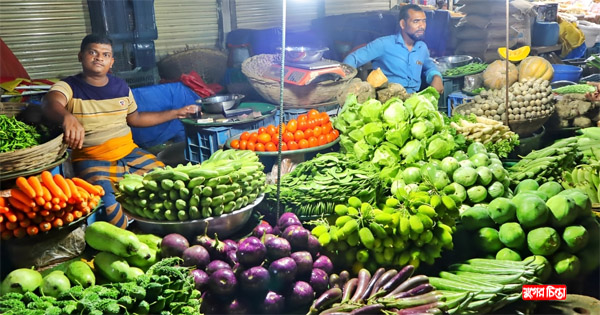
(15, 135)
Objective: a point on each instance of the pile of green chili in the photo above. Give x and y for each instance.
(15, 134)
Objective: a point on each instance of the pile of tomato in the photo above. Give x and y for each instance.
(309, 130)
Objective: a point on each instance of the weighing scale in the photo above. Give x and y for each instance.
(306, 73)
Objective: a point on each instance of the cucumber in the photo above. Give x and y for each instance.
(228, 196)
(158, 214)
(180, 204)
(153, 196)
(184, 193)
(111, 266)
(169, 205)
(225, 179)
(206, 212)
(140, 202)
(203, 172)
(145, 258)
(148, 213)
(196, 181)
(217, 201)
(220, 189)
(205, 202)
(218, 210)
(151, 240)
(176, 175)
(80, 273)
(194, 213)
(207, 191)
(238, 193)
(143, 193)
(197, 190)
(229, 207)
(104, 236)
(151, 185)
(194, 200)
(182, 215)
(166, 184)
(163, 195)
(170, 215)
(213, 182)
(173, 195)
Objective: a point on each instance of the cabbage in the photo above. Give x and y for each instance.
(373, 133)
(388, 173)
(371, 110)
(413, 151)
(437, 120)
(394, 111)
(422, 129)
(362, 150)
(439, 148)
(386, 155)
(399, 134)
(431, 94)
(356, 134)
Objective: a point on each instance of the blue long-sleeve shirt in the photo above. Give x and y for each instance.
(395, 60)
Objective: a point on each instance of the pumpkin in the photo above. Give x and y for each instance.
(514, 54)
(494, 77)
(535, 67)
(376, 78)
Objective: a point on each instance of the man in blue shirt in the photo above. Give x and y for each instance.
(404, 56)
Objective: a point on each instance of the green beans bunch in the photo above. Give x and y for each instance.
(15, 134)
(466, 69)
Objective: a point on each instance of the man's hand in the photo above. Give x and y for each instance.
(73, 132)
(594, 96)
(438, 84)
(186, 111)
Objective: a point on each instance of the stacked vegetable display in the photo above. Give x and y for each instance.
(36, 206)
(395, 233)
(228, 181)
(468, 178)
(496, 137)
(586, 175)
(540, 220)
(386, 291)
(471, 68)
(314, 187)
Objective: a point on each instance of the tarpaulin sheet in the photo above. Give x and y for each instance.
(156, 98)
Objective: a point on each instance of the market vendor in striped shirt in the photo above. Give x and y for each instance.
(96, 111)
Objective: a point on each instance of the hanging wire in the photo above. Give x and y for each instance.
(281, 122)
(507, 61)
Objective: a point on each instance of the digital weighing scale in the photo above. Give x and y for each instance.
(306, 73)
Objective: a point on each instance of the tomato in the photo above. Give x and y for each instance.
(318, 131)
(235, 144)
(282, 131)
(293, 145)
(309, 133)
(271, 130)
(324, 117)
(288, 136)
(264, 138)
(336, 133)
(292, 125)
(284, 146)
(251, 146)
(243, 144)
(302, 117)
(245, 135)
(322, 140)
(330, 137)
(302, 125)
(318, 121)
(275, 139)
(313, 142)
(262, 130)
(260, 147)
(303, 144)
(253, 137)
(326, 128)
(313, 113)
(312, 123)
(298, 135)
(270, 147)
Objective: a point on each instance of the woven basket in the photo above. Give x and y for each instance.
(294, 96)
(33, 157)
(210, 64)
(521, 127)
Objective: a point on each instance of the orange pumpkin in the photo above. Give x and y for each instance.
(534, 67)
(494, 77)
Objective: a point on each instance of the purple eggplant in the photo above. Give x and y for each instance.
(278, 247)
(297, 236)
(418, 290)
(262, 229)
(230, 245)
(304, 262)
(314, 247)
(399, 278)
(334, 280)
(409, 284)
(323, 262)
(378, 273)
(216, 265)
(266, 237)
(255, 280)
(344, 276)
(205, 241)
(237, 307)
(288, 219)
(319, 280)
(173, 245)
(385, 277)
(273, 303)
(368, 309)
(219, 249)
(251, 252)
(421, 309)
(211, 304)
(196, 256)
(222, 282)
(302, 294)
(231, 257)
(364, 276)
(282, 272)
(200, 279)
(326, 299)
(349, 289)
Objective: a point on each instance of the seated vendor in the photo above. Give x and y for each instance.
(402, 57)
(594, 96)
(96, 110)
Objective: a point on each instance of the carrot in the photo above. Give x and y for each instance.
(55, 200)
(19, 232)
(25, 187)
(77, 214)
(100, 190)
(3, 202)
(18, 205)
(58, 222)
(85, 185)
(31, 215)
(45, 226)
(62, 205)
(74, 191)
(38, 219)
(32, 230)
(56, 207)
(1, 219)
(47, 194)
(22, 197)
(35, 184)
(44, 213)
(20, 215)
(10, 216)
(60, 182)
(40, 201)
(3, 210)
(83, 193)
(6, 235)
(52, 186)
(25, 222)
(48, 205)
(59, 213)
(2, 226)
(68, 217)
(12, 225)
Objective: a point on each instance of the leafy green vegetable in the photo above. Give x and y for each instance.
(386, 155)
(373, 133)
(395, 112)
(371, 110)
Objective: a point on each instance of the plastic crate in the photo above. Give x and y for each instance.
(455, 99)
(138, 77)
(450, 86)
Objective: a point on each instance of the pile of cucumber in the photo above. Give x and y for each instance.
(228, 181)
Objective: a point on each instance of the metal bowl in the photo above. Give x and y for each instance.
(216, 104)
(302, 54)
(224, 225)
(449, 62)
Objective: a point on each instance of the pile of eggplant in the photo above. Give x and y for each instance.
(385, 292)
(276, 270)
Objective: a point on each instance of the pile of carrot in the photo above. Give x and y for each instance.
(38, 205)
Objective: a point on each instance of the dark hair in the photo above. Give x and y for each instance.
(94, 39)
(404, 10)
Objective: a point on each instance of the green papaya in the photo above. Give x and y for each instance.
(21, 280)
(104, 236)
(55, 283)
(111, 266)
(80, 273)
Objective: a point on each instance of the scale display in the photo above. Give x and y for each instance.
(304, 74)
